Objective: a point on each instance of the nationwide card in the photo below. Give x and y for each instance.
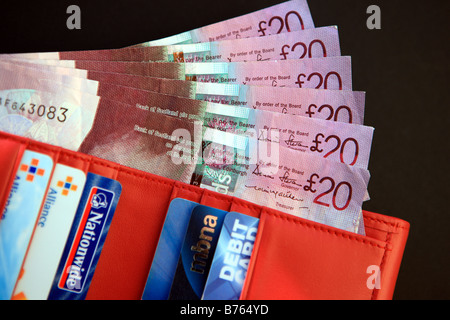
(230, 264)
(50, 234)
(165, 261)
(20, 215)
(87, 235)
(197, 253)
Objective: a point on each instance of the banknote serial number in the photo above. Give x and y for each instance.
(41, 110)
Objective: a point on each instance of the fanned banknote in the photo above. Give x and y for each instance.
(340, 141)
(259, 106)
(151, 141)
(283, 179)
(148, 141)
(318, 73)
(310, 43)
(336, 105)
(195, 110)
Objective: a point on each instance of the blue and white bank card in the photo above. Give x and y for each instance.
(50, 234)
(19, 216)
(230, 264)
(165, 261)
(197, 253)
(87, 235)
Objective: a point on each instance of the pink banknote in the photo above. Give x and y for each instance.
(335, 105)
(318, 73)
(59, 116)
(346, 106)
(31, 77)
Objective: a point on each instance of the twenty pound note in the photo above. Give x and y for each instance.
(335, 105)
(341, 142)
(271, 175)
(19, 76)
(310, 43)
(317, 73)
(169, 146)
(62, 118)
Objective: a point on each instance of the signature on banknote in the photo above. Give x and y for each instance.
(275, 193)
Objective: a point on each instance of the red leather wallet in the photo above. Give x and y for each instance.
(293, 258)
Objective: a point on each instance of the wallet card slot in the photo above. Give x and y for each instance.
(394, 232)
(299, 259)
(133, 236)
(216, 200)
(245, 207)
(187, 192)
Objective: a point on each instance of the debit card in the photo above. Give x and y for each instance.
(197, 253)
(232, 257)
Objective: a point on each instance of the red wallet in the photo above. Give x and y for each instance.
(293, 258)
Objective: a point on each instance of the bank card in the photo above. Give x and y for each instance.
(232, 257)
(19, 216)
(167, 252)
(86, 238)
(197, 253)
(50, 234)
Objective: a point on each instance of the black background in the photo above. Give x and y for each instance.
(403, 68)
